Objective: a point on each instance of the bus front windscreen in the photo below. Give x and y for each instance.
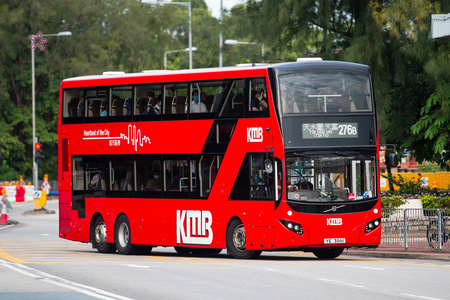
(325, 92)
(331, 178)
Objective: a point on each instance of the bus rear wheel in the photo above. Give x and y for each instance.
(122, 236)
(236, 241)
(98, 237)
(328, 252)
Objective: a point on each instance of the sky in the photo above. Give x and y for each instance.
(214, 5)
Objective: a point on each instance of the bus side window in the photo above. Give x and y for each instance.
(257, 95)
(261, 182)
(209, 167)
(233, 106)
(176, 98)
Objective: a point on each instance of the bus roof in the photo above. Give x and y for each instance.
(312, 64)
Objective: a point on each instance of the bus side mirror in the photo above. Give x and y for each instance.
(393, 160)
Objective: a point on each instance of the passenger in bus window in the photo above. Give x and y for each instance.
(203, 97)
(264, 102)
(125, 183)
(104, 111)
(150, 95)
(127, 107)
(156, 106)
(256, 95)
(154, 183)
(332, 104)
(196, 105)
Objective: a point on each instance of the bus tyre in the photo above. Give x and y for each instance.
(122, 236)
(328, 252)
(98, 237)
(236, 241)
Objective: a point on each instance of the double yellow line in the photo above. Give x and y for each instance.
(5, 255)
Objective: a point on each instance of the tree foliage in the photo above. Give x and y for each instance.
(391, 36)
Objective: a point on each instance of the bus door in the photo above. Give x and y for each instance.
(64, 185)
(265, 189)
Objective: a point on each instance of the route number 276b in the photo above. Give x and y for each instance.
(347, 130)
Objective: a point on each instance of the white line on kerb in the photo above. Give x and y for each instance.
(419, 297)
(1, 228)
(81, 288)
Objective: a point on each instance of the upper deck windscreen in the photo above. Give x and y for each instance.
(325, 92)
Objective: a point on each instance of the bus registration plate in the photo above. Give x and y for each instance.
(335, 241)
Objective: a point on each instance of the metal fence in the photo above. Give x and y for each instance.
(416, 229)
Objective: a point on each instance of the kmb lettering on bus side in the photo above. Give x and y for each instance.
(334, 221)
(254, 134)
(198, 227)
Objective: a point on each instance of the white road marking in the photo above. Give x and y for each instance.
(363, 267)
(342, 283)
(55, 280)
(135, 266)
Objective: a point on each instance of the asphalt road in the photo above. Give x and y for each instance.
(36, 264)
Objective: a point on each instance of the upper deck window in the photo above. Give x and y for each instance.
(325, 92)
(73, 105)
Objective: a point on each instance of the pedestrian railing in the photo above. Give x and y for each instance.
(413, 228)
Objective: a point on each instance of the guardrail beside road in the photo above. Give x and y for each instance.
(413, 228)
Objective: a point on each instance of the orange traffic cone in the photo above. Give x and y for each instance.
(4, 217)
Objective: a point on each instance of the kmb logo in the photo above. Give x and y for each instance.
(334, 221)
(198, 227)
(254, 134)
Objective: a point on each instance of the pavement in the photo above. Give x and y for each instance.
(382, 252)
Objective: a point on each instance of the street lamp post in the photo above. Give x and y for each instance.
(33, 100)
(174, 51)
(234, 42)
(188, 4)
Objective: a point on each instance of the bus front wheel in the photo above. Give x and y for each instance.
(328, 252)
(122, 236)
(236, 241)
(98, 237)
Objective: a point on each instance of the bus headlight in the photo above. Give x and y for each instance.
(372, 225)
(294, 227)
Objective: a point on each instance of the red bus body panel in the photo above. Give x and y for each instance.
(153, 221)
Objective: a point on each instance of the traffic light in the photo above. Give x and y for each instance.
(38, 157)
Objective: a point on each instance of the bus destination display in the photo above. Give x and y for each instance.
(329, 130)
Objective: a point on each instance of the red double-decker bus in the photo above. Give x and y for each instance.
(248, 158)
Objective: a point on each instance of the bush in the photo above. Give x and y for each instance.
(390, 203)
(431, 201)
